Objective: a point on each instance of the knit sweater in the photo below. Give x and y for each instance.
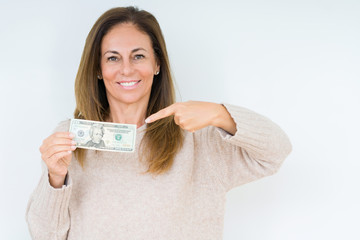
(111, 199)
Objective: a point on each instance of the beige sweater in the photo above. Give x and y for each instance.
(110, 199)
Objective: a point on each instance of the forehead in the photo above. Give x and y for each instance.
(125, 36)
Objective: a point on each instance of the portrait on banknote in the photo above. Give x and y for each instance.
(96, 133)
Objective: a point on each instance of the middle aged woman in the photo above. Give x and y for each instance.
(188, 154)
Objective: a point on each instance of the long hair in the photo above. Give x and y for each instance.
(162, 138)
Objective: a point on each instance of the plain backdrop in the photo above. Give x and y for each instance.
(296, 62)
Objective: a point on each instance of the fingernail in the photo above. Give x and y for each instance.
(71, 135)
(73, 142)
(73, 147)
(69, 151)
(147, 120)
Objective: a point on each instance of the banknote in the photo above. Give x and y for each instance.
(103, 136)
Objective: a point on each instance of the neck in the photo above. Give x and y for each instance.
(133, 113)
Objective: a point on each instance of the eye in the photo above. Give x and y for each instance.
(139, 56)
(112, 59)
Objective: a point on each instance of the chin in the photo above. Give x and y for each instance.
(130, 100)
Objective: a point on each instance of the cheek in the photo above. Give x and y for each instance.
(108, 72)
(109, 75)
(147, 72)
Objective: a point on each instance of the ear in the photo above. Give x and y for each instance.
(157, 71)
(157, 65)
(99, 75)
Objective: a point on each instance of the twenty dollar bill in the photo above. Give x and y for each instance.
(103, 135)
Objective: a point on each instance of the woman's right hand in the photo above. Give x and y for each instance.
(56, 152)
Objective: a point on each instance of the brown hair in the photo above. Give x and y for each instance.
(163, 138)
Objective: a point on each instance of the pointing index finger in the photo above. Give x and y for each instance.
(165, 112)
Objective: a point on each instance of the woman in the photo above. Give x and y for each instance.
(188, 155)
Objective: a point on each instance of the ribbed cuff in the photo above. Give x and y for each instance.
(52, 203)
(250, 127)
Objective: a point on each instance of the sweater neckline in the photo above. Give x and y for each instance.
(141, 129)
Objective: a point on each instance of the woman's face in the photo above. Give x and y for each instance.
(128, 65)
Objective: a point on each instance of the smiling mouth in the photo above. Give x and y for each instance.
(129, 83)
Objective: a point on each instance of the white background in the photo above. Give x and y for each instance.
(296, 62)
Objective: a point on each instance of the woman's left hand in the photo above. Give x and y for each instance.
(194, 115)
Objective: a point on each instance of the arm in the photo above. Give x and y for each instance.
(256, 149)
(240, 144)
(47, 213)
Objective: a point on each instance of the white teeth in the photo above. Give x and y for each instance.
(128, 84)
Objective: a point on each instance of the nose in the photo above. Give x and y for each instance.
(126, 68)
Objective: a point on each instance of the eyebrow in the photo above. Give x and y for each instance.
(132, 51)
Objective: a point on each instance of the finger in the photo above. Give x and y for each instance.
(181, 122)
(188, 125)
(56, 149)
(62, 141)
(67, 135)
(59, 138)
(192, 130)
(165, 112)
(56, 142)
(62, 158)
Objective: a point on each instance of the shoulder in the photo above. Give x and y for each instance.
(63, 126)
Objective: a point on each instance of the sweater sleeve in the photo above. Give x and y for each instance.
(257, 149)
(47, 213)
